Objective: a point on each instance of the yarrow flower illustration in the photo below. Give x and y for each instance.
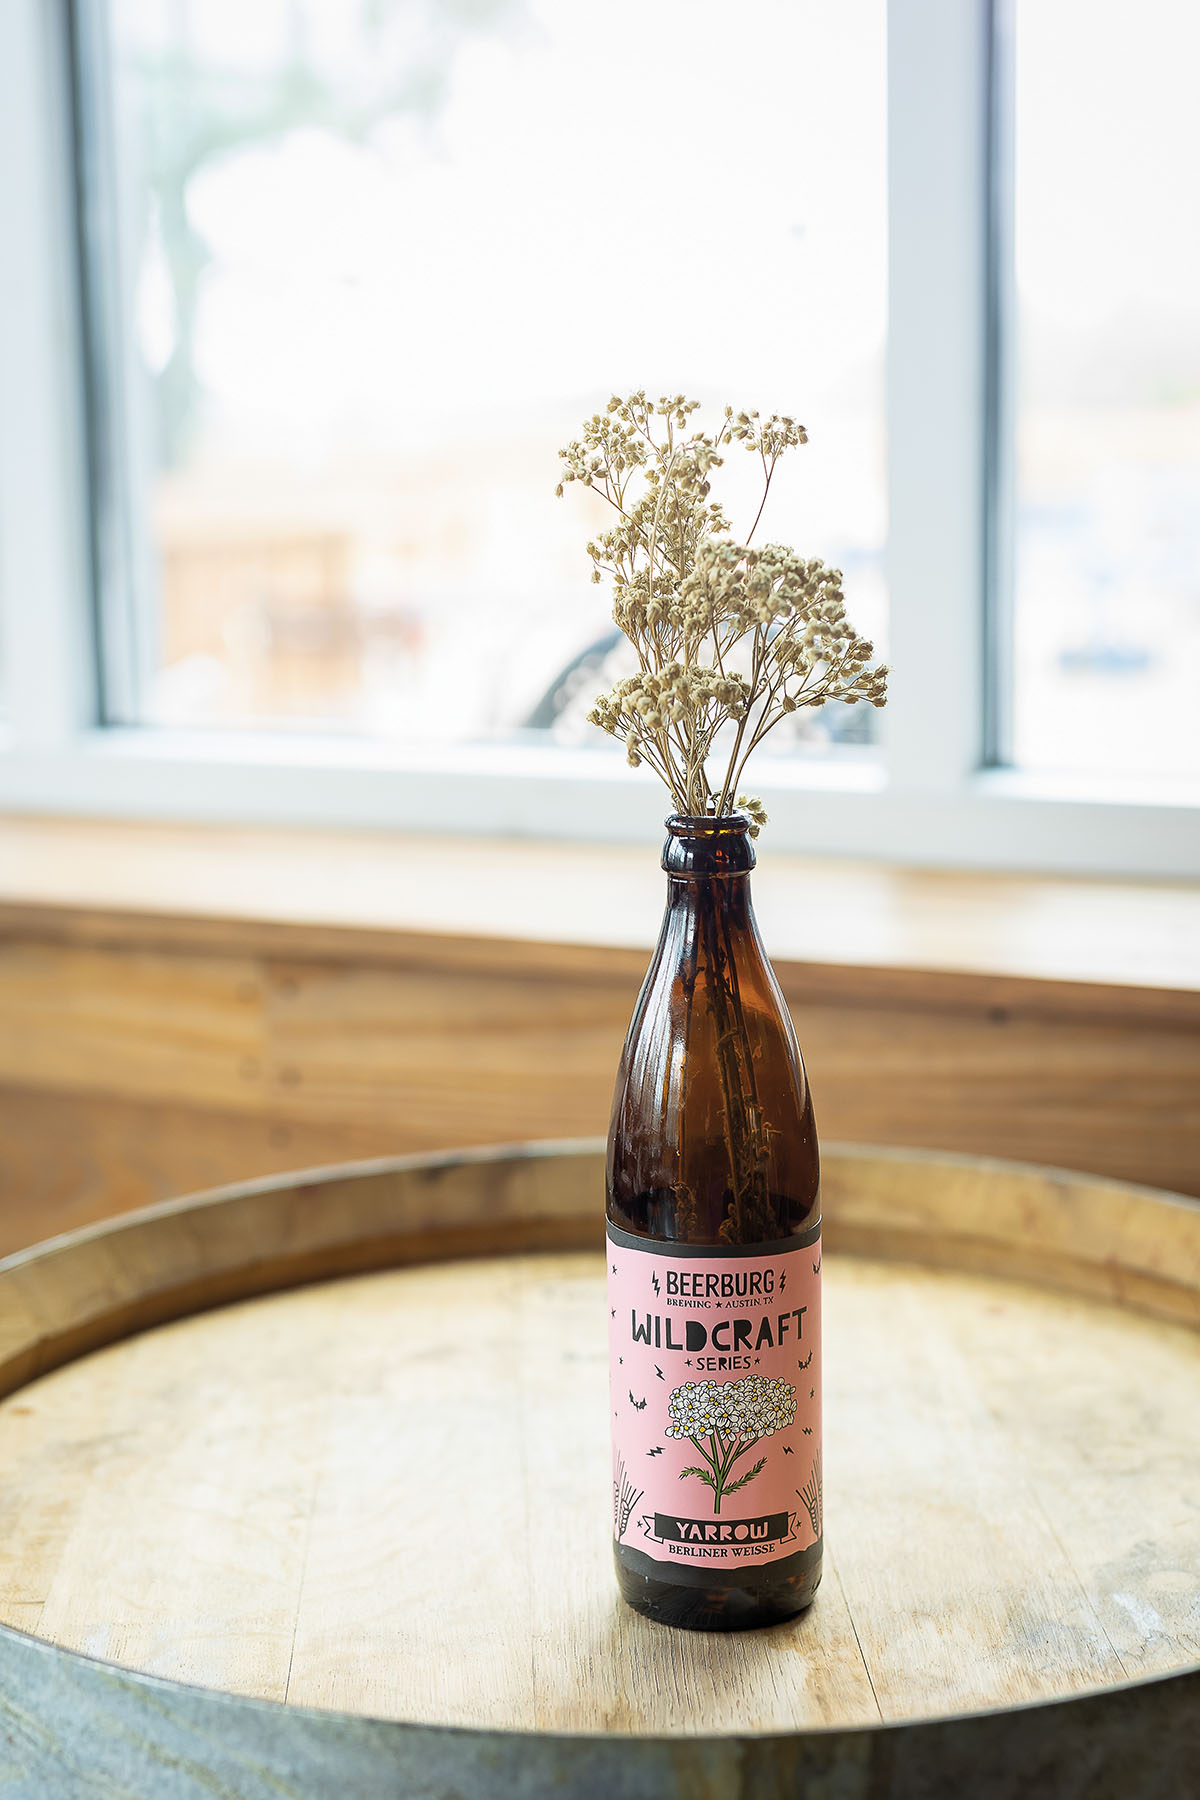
(695, 604)
(724, 1420)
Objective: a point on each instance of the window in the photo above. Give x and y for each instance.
(301, 299)
(1106, 661)
(380, 260)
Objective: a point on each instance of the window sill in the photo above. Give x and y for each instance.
(813, 911)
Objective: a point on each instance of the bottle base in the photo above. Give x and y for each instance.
(771, 1599)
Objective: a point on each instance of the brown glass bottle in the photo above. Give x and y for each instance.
(712, 1144)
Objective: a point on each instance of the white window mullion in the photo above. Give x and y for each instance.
(45, 626)
(938, 57)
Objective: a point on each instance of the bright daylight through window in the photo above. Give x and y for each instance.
(1107, 589)
(312, 292)
(383, 259)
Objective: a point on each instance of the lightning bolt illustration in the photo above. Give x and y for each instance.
(659, 1373)
(654, 1279)
(655, 1452)
(782, 1280)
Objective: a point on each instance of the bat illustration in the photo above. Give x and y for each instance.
(639, 1405)
(659, 1373)
(817, 1266)
(806, 1361)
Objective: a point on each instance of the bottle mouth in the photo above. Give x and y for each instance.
(708, 825)
(708, 846)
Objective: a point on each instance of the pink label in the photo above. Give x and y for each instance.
(716, 1399)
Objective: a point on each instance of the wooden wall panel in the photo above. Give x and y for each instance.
(143, 1023)
(141, 1058)
(500, 1055)
(1113, 1100)
(67, 1159)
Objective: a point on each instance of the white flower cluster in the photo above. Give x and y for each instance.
(753, 1407)
(694, 604)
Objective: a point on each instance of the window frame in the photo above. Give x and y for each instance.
(937, 794)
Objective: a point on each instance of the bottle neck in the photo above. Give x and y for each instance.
(708, 864)
(725, 897)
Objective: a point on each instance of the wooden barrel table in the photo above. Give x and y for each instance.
(305, 1493)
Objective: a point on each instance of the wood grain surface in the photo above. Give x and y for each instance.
(141, 1056)
(388, 1493)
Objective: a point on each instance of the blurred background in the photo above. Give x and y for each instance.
(306, 848)
(385, 258)
(380, 258)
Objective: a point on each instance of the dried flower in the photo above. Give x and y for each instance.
(694, 603)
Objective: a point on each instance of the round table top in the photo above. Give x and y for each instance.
(388, 1493)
